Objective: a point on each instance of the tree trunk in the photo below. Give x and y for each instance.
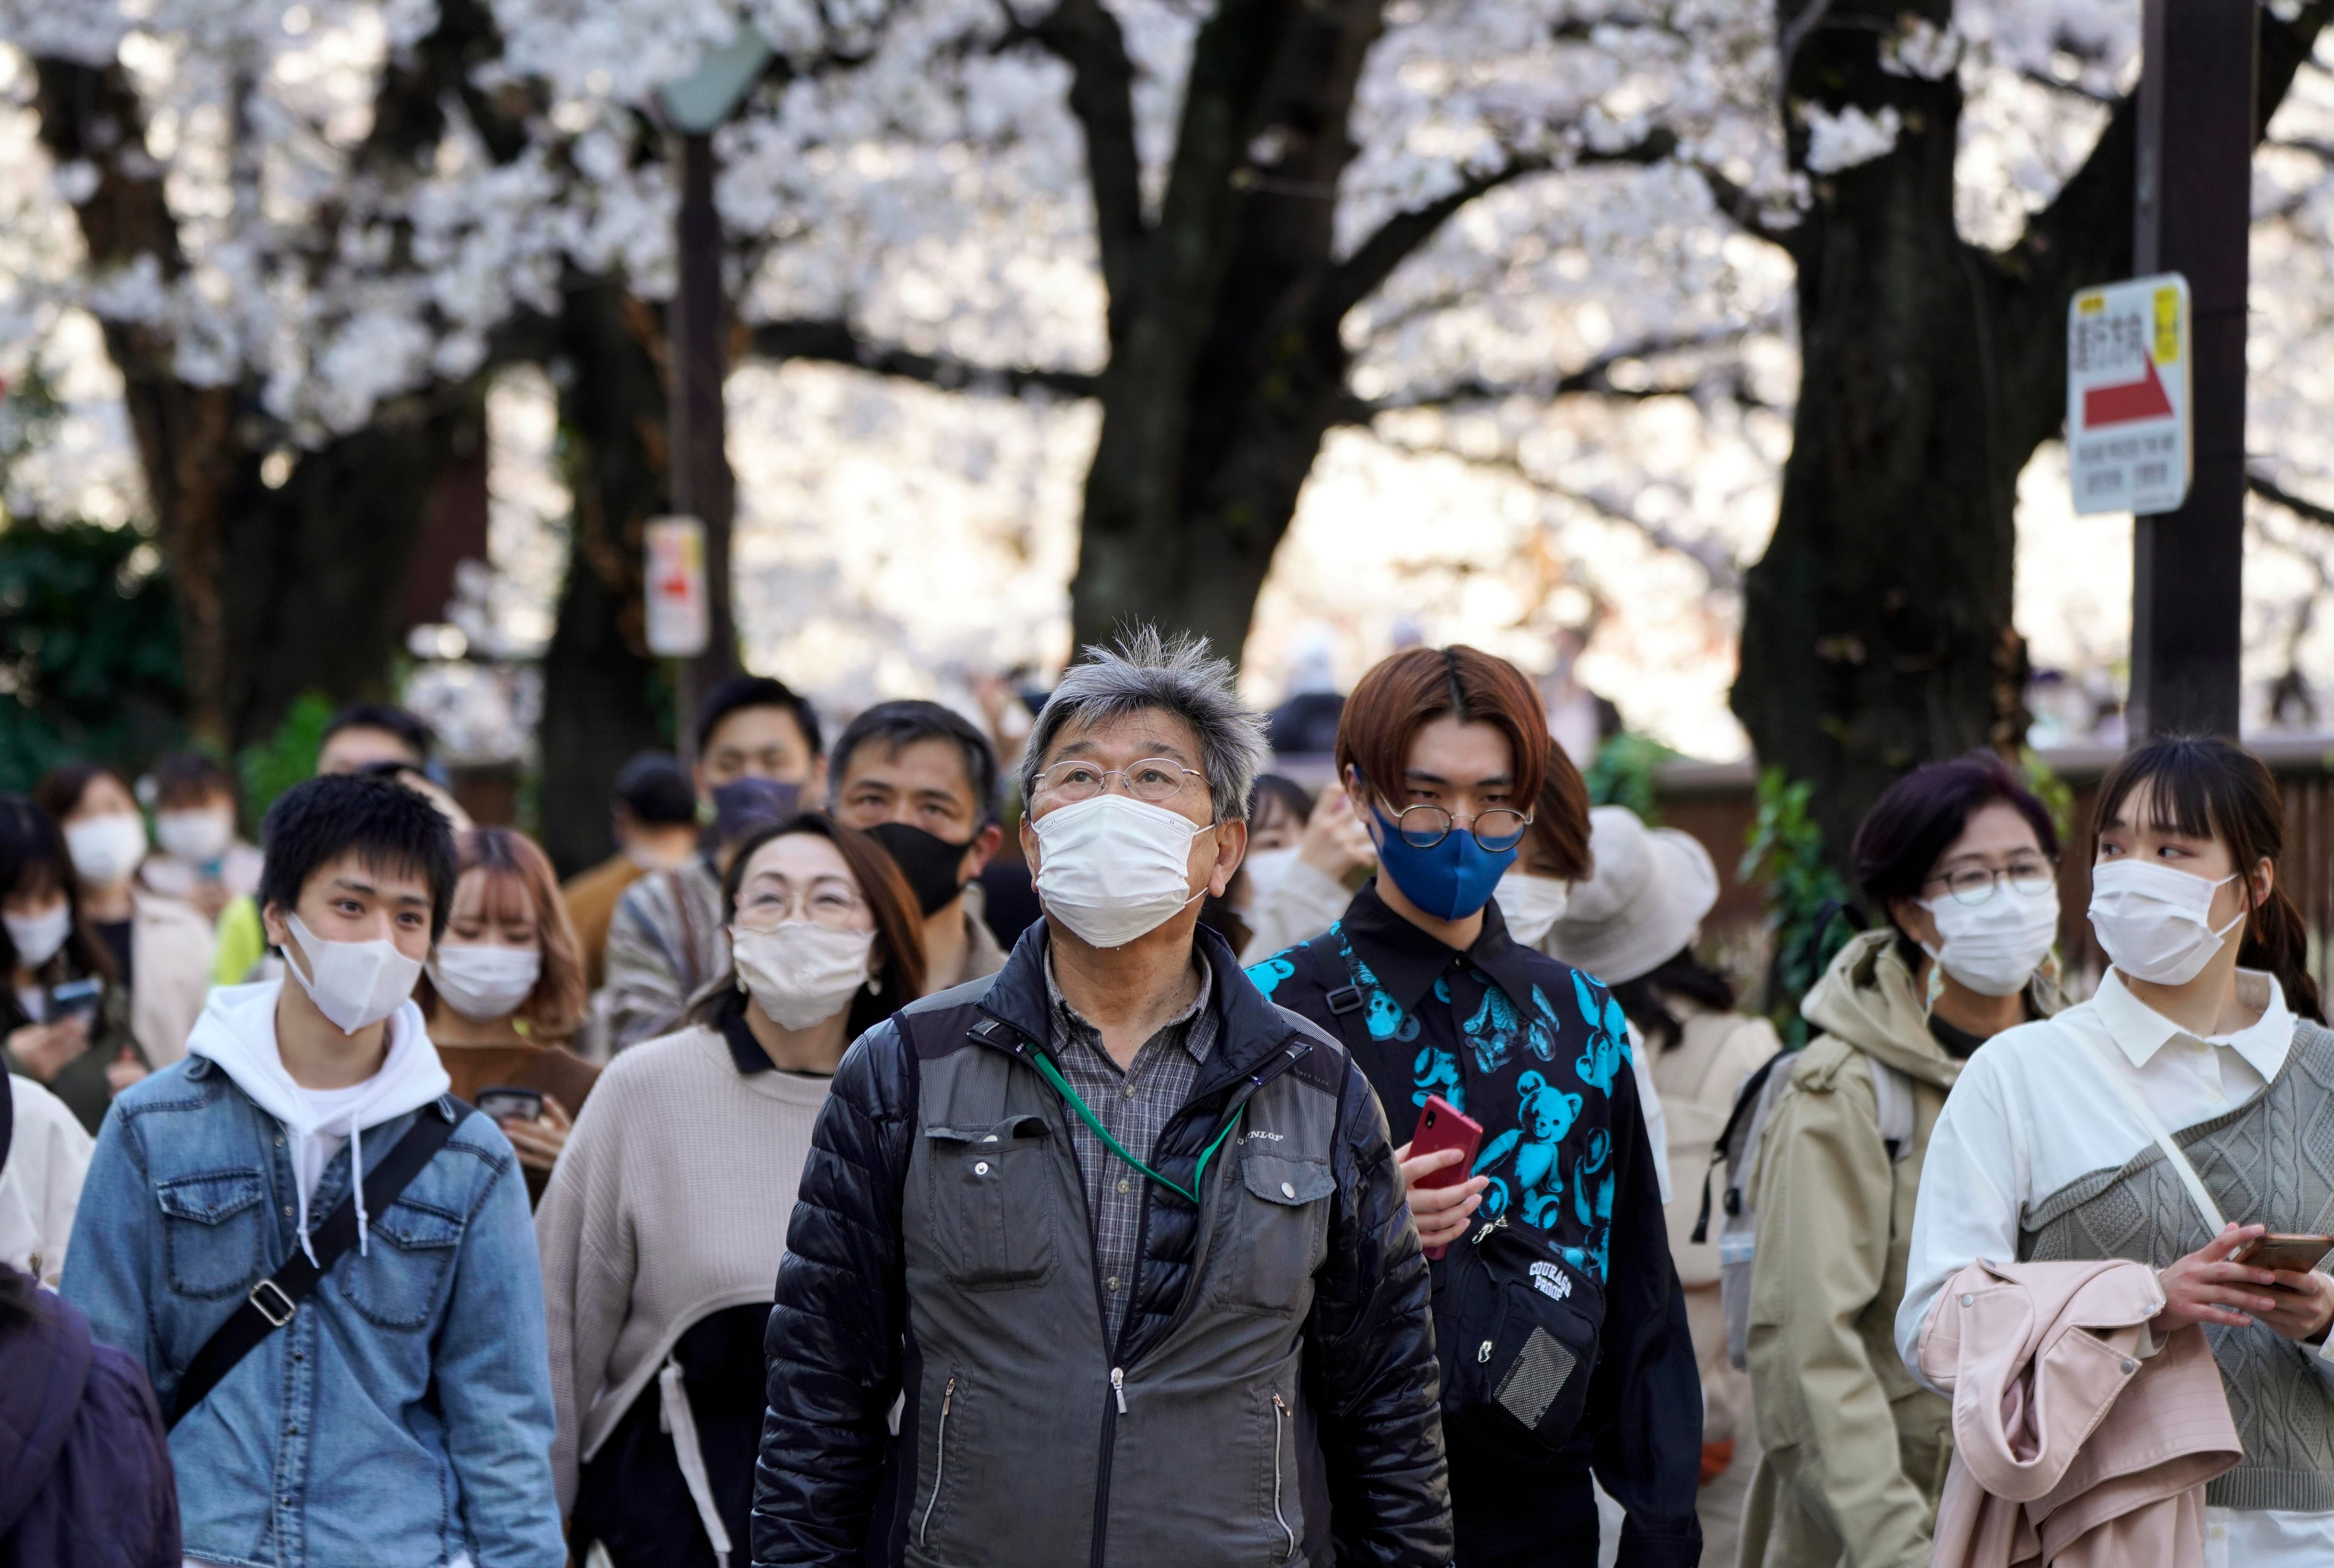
(312, 577)
(1876, 628)
(1226, 366)
(1877, 623)
(603, 696)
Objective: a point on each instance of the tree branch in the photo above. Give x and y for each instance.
(1353, 280)
(837, 342)
(1707, 553)
(2276, 494)
(1593, 377)
(1086, 37)
(1736, 203)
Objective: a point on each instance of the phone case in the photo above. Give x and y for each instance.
(1439, 1127)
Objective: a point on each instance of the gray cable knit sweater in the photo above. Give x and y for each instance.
(2270, 1161)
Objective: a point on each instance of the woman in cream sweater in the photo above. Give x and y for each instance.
(667, 1215)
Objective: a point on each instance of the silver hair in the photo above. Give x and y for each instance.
(1176, 676)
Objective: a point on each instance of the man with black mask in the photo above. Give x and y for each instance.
(924, 781)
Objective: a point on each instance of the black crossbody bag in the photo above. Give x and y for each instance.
(1515, 1325)
(272, 1302)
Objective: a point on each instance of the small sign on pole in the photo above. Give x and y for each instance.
(2130, 438)
(677, 610)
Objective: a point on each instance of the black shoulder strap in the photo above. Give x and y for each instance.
(271, 1303)
(1341, 988)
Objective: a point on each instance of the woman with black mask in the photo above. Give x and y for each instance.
(1562, 1330)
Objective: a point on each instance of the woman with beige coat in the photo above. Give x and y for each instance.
(1961, 858)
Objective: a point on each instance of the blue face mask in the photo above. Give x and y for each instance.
(1449, 881)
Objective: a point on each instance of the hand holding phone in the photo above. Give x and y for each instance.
(504, 1102)
(1435, 1165)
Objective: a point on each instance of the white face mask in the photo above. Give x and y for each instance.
(482, 983)
(106, 850)
(37, 938)
(798, 973)
(1994, 946)
(1266, 869)
(356, 985)
(1114, 868)
(1531, 905)
(198, 837)
(2154, 922)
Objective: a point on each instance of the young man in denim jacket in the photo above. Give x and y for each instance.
(401, 1417)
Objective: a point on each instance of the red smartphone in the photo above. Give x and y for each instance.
(1439, 1127)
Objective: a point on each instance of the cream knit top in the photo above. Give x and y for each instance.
(670, 1203)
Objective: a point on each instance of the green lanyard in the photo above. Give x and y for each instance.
(1053, 1075)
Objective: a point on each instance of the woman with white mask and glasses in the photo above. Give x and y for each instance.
(1306, 857)
(161, 946)
(666, 1218)
(1959, 859)
(2170, 1120)
(503, 992)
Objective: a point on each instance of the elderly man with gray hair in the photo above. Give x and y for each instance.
(1122, 1242)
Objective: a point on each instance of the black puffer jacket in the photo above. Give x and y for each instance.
(1247, 1397)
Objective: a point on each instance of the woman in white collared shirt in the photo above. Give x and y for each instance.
(2209, 1027)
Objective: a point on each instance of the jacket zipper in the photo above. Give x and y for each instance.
(939, 1466)
(1115, 1404)
(1279, 1416)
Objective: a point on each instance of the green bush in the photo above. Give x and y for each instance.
(89, 650)
(271, 766)
(1621, 774)
(1804, 897)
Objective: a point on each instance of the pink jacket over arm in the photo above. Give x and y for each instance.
(2074, 1445)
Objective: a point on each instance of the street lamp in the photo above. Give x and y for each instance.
(703, 487)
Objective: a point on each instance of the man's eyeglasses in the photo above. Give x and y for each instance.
(1153, 779)
(1423, 827)
(2031, 879)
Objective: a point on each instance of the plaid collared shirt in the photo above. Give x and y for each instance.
(1135, 1105)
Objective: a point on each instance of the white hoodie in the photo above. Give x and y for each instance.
(237, 1032)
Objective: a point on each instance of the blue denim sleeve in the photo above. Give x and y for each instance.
(494, 1376)
(111, 1262)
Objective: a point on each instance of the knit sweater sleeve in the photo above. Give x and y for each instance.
(584, 1230)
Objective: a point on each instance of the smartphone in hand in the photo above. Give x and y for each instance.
(1440, 1127)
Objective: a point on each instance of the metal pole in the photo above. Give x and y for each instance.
(2192, 213)
(702, 485)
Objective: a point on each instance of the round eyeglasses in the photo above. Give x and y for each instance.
(829, 902)
(1497, 831)
(1155, 779)
(2028, 879)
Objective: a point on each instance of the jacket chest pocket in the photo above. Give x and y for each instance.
(1271, 1235)
(989, 1202)
(397, 1281)
(211, 1231)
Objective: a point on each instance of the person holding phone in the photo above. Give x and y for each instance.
(2195, 1077)
(64, 1018)
(503, 993)
(666, 1217)
(1557, 1275)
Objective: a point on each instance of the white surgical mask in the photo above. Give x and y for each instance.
(482, 983)
(1531, 905)
(798, 973)
(1266, 869)
(106, 850)
(356, 985)
(1994, 946)
(1114, 868)
(2154, 922)
(197, 837)
(37, 938)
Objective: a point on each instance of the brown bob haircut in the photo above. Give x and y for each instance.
(519, 877)
(1559, 829)
(897, 958)
(1407, 691)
